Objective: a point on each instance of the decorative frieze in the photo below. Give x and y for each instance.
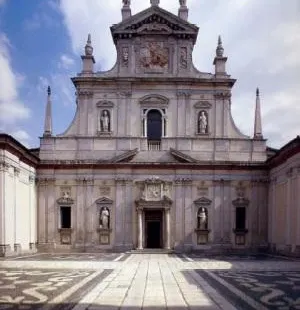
(222, 95)
(81, 94)
(4, 166)
(122, 180)
(183, 181)
(202, 105)
(45, 180)
(85, 181)
(184, 93)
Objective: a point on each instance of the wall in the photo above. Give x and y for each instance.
(17, 205)
(284, 206)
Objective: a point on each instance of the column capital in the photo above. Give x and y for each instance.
(4, 166)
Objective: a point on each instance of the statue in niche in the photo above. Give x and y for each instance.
(202, 122)
(183, 57)
(105, 121)
(104, 218)
(125, 56)
(202, 218)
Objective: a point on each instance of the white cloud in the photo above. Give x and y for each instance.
(261, 40)
(11, 107)
(22, 136)
(66, 61)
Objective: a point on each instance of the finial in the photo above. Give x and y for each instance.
(257, 92)
(49, 90)
(182, 2)
(88, 46)
(257, 120)
(220, 49)
(126, 3)
(154, 2)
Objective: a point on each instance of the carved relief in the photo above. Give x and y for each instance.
(125, 56)
(183, 58)
(104, 191)
(65, 196)
(154, 56)
(155, 190)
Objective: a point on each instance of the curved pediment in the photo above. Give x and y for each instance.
(203, 201)
(104, 201)
(105, 104)
(154, 100)
(202, 105)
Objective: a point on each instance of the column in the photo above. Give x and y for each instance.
(168, 231)
(140, 228)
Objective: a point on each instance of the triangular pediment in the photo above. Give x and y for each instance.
(154, 20)
(203, 201)
(103, 200)
(181, 157)
(125, 157)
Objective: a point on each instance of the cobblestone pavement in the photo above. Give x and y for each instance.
(149, 281)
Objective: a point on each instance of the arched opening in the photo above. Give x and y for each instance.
(154, 125)
(154, 129)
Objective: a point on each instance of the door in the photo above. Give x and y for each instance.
(153, 219)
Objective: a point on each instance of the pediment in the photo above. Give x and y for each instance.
(181, 157)
(103, 201)
(156, 100)
(154, 20)
(125, 157)
(202, 105)
(65, 201)
(203, 201)
(105, 104)
(241, 202)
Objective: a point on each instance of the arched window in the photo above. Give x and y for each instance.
(154, 125)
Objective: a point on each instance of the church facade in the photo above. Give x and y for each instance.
(153, 159)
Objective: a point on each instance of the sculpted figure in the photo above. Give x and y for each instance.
(125, 56)
(104, 218)
(202, 218)
(105, 120)
(202, 122)
(126, 2)
(182, 2)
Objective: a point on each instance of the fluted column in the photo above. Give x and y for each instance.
(168, 231)
(140, 228)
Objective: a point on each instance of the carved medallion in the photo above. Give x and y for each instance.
(154, 56)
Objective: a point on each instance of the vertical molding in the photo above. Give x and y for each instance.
(128, 214)
(288, 211)
(226, 211)
(89, 233)
(181, 121)
(120, 184)
(51, 193)
(188, 116)
(179, 215)
(188, 228)
(217, 202)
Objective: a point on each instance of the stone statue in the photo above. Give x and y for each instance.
(126, 2)
(183, 58)
(105, 121)
(202, 122)
(182, 2)
(104, 218)
(202, 218)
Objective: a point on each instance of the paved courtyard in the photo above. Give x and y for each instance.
(149, 281)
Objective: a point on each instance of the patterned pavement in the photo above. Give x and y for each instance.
(149, 281)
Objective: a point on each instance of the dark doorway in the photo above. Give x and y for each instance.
(153, 227)
(154, 125)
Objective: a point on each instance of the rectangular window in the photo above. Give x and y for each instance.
(240, 218)
(65, 217)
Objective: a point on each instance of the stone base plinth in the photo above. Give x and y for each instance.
(5, 250)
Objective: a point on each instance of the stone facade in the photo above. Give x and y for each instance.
(18, 206)
(153, 158)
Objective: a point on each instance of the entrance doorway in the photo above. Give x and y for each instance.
(153, 227)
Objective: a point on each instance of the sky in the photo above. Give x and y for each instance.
(41, 43)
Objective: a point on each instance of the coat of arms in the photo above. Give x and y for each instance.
(154, 56)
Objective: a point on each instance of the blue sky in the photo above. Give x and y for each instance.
(41, 43)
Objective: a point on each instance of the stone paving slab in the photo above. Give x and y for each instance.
(149, 281)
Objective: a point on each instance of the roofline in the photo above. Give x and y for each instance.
(287, 151)
(9, 143)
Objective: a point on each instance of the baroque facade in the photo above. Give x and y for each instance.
(153, 159)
